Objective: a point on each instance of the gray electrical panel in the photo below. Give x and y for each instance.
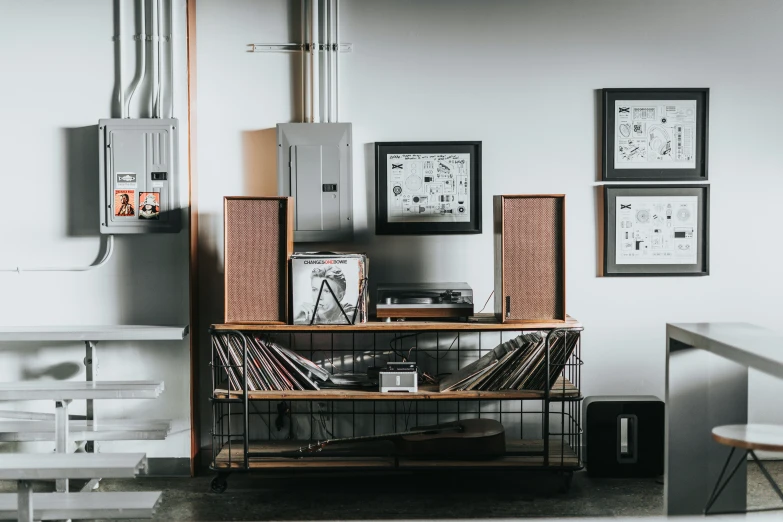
(138, 175)
(314, 166)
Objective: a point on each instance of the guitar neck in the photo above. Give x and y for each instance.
(367, 438)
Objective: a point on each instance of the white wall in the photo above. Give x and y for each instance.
(57, 63)
(522, 77)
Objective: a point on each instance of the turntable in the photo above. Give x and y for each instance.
(424, 301)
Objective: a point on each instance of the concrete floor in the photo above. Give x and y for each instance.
(318, 496)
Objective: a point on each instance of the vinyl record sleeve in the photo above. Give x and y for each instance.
(345, 274)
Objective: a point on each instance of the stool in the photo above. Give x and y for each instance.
(749, 437)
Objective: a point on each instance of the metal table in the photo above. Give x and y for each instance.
(707, 386)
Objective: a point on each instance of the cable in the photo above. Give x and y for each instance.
(106, 256)
(487, 302)
(423, 351)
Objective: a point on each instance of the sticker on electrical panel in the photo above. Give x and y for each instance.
(149, 205)
(126, 180)
(123, 203)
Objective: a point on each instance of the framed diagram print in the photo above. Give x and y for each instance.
(655, 134)
(656, 230)
(428, 187)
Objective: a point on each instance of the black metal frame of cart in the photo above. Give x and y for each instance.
(246, 408)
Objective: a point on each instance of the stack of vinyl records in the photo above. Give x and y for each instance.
(518, 364)
(271, 367)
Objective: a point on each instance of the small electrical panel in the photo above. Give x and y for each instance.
(314, 167)
(138, 175)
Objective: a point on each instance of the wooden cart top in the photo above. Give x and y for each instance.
(487, 324)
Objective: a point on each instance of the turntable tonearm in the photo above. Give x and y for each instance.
(424, 301)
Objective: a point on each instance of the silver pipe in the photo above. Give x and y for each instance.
(106, 256)
(171, 59)
(120, 89)
(142, 68)
(158, 94)
(314, 70)
(337, 60)
(328, 85)
(155, 57)
(304, 60)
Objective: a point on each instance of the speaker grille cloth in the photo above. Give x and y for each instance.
(533, 258)
(254, 260)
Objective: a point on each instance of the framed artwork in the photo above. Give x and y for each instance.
(655, 134)
(656, 230)
(428, 187)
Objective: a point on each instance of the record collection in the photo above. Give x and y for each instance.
(270, 366)
(517, 364)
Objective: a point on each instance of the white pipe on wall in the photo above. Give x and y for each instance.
(158, 91)
(305, 64)
(328, 83)
(142, 68)
(171, 58)
(120, 89)
(314, 65)
(106, 256)
(155, 57)
(337, 60)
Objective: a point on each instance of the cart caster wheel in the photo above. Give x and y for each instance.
(218, 484)
(566, 478)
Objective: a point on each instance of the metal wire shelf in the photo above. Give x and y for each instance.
(543, 427)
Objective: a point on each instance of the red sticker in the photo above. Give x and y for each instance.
(149, 205)
(123, 203)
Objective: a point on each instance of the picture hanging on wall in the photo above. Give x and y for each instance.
(656, 230)
(655, 134)
(428, 187)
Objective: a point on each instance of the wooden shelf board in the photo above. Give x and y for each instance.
(395, 326)
(563, 389)
(560, 456)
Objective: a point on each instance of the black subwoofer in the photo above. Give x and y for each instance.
(624, 436)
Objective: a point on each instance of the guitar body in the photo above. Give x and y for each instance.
(471, 439)
(468, 439)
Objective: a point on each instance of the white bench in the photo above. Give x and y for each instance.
(81, 430)
(63, 392)
(25, 467)
(63, 506)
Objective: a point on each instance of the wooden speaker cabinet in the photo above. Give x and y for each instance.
(529, 233)
(258, 242)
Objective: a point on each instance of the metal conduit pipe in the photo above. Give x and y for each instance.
(120, 89)
(337, 60)
(305, 68)
(158, 90)
(171, 58)
(314, 65)
(328, 83)
(155, 57)
(142, 67)
(106, 256)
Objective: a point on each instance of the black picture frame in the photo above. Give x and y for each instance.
(383, 149)
(698, 173)
(612, 268)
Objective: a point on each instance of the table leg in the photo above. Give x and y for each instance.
(91, 370)
(703, 391)
(61, 436)
(24, 504)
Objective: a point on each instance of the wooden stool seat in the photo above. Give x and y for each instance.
(766, 437)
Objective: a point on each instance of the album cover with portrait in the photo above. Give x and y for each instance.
(123, 203)
(329, 288)
(149, 205)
